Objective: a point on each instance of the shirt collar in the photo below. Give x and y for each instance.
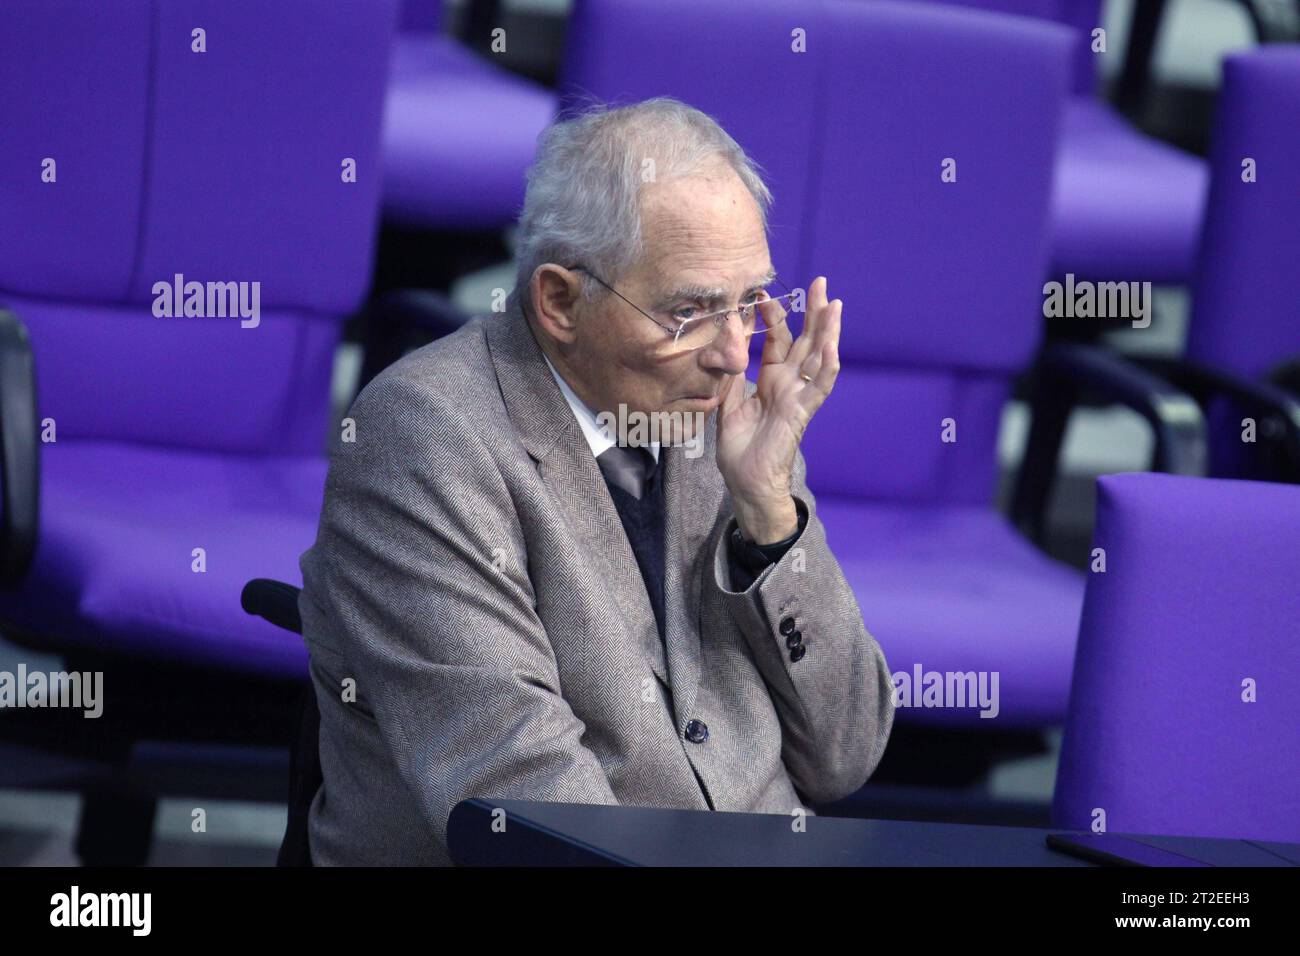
(598, 437)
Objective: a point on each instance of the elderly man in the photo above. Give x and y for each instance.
(510, 598)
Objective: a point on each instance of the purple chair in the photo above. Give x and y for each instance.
(181, 456)
(1246, 310)
(1246, 307)
(1184, 718)
(1124, 205)
(1243, 348)
(459, 132)
(1246, 315)
(1243, 351)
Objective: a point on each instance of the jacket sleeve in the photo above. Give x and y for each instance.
(835, 697)
(418, 581)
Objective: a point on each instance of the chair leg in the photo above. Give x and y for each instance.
(116, 828)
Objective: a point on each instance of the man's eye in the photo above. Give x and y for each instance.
(685, 313)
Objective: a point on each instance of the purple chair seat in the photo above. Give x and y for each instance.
(1122, 197)
(957, 589)
(118, 525)
(458, 135)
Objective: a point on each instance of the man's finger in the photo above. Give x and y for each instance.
(808, 339)
(733, 395)
(827, 362)
(824, 381)
(779, 337)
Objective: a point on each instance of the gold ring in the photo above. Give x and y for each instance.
(805, 377)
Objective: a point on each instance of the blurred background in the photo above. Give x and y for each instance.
(1094, 160)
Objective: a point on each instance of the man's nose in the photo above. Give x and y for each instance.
(729, 352)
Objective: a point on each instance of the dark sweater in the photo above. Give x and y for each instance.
(643, 523)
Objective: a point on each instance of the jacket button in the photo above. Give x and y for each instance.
(797, 653)
(787, 626)
(794, 640)
(697, 731)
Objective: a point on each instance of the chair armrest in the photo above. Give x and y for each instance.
(1287, 376)
(1065, 373)
(1276, 410)
(402, 320)
(273, 601)
(19, 451)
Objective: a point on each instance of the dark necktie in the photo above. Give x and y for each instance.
(628, 468)
(630, 475)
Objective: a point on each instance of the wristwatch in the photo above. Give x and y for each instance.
(755, 557)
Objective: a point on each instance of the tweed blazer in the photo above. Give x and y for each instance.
(478, 625)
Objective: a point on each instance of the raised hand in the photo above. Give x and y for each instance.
(758, 436)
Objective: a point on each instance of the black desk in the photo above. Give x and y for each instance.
(559, 834)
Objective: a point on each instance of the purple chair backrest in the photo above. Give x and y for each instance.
(422, 16)
(941, 280)
(131, 157)
(1246, 303)
(1184, 717)
(1083, 15)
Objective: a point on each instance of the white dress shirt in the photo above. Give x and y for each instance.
(598, 437)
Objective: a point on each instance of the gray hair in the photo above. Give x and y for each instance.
(583, 202)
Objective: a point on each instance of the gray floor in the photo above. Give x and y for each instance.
(37, 828)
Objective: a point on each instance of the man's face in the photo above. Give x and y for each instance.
(704, 232)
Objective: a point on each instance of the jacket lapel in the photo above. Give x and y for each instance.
(553, 438)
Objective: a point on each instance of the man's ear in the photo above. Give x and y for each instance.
(555, 292)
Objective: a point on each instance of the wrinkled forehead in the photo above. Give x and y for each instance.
(699, 208)
(705, 237)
